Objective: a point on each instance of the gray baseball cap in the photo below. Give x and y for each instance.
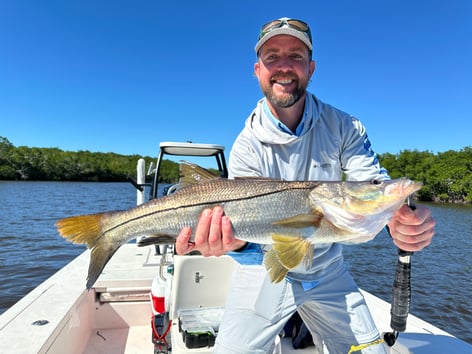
(288, 26)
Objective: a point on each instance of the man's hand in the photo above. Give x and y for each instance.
(213, 235)
(412, 230)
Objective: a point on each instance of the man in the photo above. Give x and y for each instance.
(292, 135)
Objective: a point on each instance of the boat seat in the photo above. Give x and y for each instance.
(198, 282)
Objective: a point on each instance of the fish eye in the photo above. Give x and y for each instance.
(375, 182)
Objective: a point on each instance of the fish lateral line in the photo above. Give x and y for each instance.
(200, 204)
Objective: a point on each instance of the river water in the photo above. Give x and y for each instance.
(31, 249)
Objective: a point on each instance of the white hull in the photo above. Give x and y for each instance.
(115, 315)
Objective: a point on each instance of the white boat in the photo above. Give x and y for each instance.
(117, 315)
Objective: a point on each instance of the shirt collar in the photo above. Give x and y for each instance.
(281, 126)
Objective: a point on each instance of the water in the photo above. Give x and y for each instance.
(31, 250)
(441, 286)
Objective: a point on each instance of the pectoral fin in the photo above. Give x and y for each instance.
(302, 220)
(287, 253)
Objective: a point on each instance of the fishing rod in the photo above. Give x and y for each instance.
(401, 293)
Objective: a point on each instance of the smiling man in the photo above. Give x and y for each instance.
(292, 135)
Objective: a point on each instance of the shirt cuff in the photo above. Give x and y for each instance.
(250, 254)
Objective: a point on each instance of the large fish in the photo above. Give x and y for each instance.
(292, 216)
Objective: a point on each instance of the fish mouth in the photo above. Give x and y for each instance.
(405, 188)
(413, 187)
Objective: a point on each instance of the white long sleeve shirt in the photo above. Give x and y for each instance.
(329, 144)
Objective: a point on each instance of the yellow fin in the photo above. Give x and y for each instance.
(287, 252)
(290, 250)
(99, 257)
(301, 220)
(81, 229)
(276, 270)
(87, 229)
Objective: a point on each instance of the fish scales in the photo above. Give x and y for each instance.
(271, 200)
(292, 216)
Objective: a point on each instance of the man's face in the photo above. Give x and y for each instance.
(284, 69)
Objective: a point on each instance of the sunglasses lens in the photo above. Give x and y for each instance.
(269, 27)
(300, 25)
(296, 24)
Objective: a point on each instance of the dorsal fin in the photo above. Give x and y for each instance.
(256, 178)
(192, 173)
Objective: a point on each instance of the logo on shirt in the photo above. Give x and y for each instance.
(322, 165)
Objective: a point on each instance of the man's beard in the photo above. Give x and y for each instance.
(286, 99)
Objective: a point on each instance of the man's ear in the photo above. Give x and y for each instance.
(256, 69)
(312, 67)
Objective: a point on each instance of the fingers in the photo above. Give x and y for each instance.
(228, 238)
(183, 244)
(213, 235)
(208, 237)
(202, 231)
(412, 230)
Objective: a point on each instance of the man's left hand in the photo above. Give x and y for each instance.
(412, 230)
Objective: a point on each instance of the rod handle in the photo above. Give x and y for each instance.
(401, 292)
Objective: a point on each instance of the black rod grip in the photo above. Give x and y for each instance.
(401, 292)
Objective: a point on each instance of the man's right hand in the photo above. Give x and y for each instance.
(213, 235)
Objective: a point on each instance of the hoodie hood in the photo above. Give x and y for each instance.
(264, 129)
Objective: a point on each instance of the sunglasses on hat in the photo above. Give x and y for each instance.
(291, 23)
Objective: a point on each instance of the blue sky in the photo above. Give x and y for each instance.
(121, 76)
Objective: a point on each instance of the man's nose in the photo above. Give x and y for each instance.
(285, 63)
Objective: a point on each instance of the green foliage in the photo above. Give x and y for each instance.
(52, 164)
(169, 172)
(447, 176)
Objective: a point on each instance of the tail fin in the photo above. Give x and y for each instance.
(99, 257)
(81, 229)
(86, 229)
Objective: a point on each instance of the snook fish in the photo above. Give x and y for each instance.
(292, 216)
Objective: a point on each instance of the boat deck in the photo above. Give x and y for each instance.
(115, 316)
(75, 320)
